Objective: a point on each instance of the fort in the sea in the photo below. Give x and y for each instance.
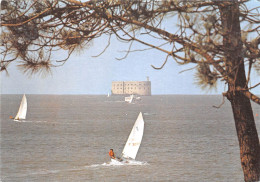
(131, 87)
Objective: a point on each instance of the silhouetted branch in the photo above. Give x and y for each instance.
(249, 95)
(254, 86)
(188, 69)
(105, 47)
(223, 101)
(158, 68)
(129, 48)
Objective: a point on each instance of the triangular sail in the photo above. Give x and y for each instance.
(134, 140)
(21, 114)
(131, 98)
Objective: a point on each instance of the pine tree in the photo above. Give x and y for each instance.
(220, 37)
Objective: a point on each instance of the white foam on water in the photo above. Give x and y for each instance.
(45, 172)
(39, 172)
(148, 114)
(118, 163)
(27, 121)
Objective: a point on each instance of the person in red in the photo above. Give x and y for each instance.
(111, 154)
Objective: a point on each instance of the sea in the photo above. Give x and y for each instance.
(66, 138)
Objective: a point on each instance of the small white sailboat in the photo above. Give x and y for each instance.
(133, 142)
(138, 98)
(108, 95)
(21, 114)
(129, 99)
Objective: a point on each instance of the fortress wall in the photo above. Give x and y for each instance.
(117, 87)
(131, 87)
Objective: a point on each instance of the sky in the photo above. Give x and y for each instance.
(85, 74)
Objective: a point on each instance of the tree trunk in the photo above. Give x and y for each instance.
(241, 106)
(247, 136)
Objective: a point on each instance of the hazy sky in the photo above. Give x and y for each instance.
(84, 74)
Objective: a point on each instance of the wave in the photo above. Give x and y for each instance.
(27, 121)
(42, 172)
(39, 172)
(149, 114)
(80, 168)
(117, 163)
(46, 171)
(50, 122)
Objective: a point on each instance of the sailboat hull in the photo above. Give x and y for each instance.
(120, 161)
(19, 120)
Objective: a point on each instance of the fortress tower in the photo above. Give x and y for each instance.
(131, 87)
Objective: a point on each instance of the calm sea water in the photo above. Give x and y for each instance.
(67, 138)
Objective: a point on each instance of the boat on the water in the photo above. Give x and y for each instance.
(132, 98)
(21, 114)
(133, 142)
(129, 99)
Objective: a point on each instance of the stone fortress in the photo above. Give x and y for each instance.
(131, 87)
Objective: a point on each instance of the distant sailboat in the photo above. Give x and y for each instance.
(108, 95)
(138, 98)
(134, 140)
(129, 99)
(21, 114)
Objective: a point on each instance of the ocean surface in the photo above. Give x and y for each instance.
(67, 139)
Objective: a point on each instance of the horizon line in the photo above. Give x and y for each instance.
(100, 94)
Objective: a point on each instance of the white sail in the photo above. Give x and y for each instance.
(108, 94)
(21, 114)
(134, 140)
(129, 99)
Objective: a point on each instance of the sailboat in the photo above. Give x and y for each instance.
(21, 114)
(134, 141)
(108, 95)
(129, 99)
